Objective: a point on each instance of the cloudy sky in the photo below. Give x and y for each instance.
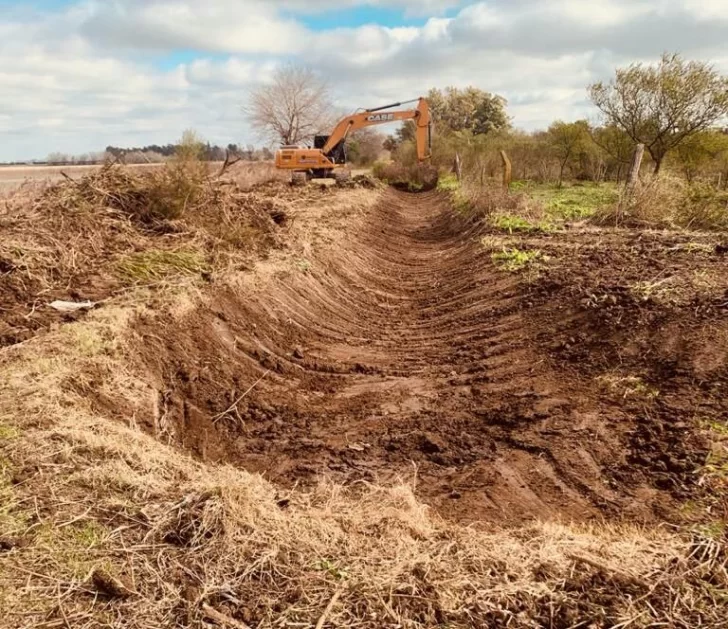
(77, 75)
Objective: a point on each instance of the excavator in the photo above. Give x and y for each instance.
(327, 158)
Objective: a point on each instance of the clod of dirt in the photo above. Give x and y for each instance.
(432, 444)
(365, 181)
(10, 543)
(107, 584)
(279, 217)
(298, 353)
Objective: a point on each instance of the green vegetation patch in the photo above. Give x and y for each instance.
(627, 386)
(8, 432)
(514, 224)
(515, 259)
(155, 265)
(573, 202)
(448, 183)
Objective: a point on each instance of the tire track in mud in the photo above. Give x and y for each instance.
(404, 346)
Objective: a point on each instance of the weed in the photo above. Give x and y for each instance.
(8, 432)
(627, 386)
(155, 265)
(712, 530)
(516, 259)
(69, 546)
(512, 223)
(718, 427)
(717, 465)
(89, 534)
(576, 202)
(497, 243)
(333, 569)
(659, 290)
(694, 247)
(448, 183)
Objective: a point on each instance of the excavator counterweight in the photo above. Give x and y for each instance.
(329, 152)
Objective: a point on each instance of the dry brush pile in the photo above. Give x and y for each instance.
(117, 229)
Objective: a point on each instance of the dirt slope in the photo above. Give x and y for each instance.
(406, 350)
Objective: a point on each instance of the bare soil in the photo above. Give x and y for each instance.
(577, 391)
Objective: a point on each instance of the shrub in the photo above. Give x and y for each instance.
(179, 185)
(410, 178)
(667, 201)
(485, 201)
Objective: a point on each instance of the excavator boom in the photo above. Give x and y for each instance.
(331, 154)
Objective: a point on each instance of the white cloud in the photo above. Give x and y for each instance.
(78, 79)
(214, 25)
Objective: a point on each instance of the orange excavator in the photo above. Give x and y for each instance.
(327, 158)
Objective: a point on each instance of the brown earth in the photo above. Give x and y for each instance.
(576, 390)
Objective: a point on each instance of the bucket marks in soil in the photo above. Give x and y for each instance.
(405, 349)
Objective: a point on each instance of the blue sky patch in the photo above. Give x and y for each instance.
(357, 16)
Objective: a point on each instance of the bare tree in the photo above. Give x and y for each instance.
(660, 106)
(293, 108)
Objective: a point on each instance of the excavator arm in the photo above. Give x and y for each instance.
(370, 117)
(321, 162)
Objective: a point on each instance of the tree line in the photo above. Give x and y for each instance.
(674, 108)
(157, 154)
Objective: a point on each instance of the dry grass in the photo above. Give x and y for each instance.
(245, 174)
(671, 202)
(114, 528)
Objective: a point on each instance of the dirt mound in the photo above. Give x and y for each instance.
(94, 238)
(409, 346)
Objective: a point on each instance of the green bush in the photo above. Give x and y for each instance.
(410, 178)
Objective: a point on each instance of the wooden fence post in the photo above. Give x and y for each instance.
(507, 170)
(458, 167)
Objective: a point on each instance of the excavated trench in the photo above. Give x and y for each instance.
(401, 353)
